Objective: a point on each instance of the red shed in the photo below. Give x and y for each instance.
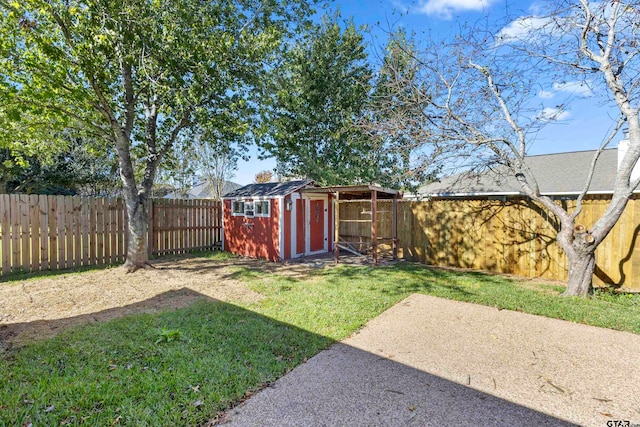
(276, 221)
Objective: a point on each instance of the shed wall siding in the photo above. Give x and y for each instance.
(256, 237)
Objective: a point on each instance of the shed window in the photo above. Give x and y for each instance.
(261, 208)
(237, 207)
(248, 209)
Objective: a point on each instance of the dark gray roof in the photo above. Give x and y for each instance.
(269, 189)
(557, 174)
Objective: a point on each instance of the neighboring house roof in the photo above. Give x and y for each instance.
(204, 190)
(269, 189)
(557, 174)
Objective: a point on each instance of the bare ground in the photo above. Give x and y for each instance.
(43, 307)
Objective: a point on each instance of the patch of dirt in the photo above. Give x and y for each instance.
(42, 307)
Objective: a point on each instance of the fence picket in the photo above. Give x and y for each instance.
(100, 230)
(34, 232)
(15, 232)
(77, 230)
(5, 224)
(43, 212)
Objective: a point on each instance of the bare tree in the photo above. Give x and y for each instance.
(480, 94)
(217, 162)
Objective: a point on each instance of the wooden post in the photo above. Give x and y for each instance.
(5, 225)
(150, 230)
(394, 226)
(336, 233)
(374, 234)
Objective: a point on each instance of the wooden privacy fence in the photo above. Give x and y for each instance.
(514, 236)
(178, 226)
(56, 232)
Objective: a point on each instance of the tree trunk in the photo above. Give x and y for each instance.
(581, 268)
(137, 256)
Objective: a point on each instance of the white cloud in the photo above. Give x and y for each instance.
(545, 94)
(521, 29)
(577, 88)
(446, 8)
(553, 114)
(573, 88)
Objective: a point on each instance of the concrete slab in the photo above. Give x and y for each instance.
(430, 361)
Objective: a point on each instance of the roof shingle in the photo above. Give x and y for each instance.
(561, 173)
(269, 189)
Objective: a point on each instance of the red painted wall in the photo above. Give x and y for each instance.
(253, 237)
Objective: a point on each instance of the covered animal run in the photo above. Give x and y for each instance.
(359, 232)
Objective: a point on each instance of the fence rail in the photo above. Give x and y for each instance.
(41, 232)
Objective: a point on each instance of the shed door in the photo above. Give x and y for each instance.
(316, 225)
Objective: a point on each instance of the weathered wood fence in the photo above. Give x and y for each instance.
(56, 232)
(514, 236)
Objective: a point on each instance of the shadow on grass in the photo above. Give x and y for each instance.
(18, 333)
(411, 278)
(146, 365)
(184, 366)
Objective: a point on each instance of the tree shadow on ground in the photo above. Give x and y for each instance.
(223, 347)
(20, 333)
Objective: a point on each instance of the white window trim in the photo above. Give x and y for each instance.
(251, 201)
(237, 213)
(263, 215)
(249, 206)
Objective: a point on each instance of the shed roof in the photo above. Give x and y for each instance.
(356, 191)
(269, 189)
(557, 174)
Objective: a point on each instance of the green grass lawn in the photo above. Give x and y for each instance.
(182, 367)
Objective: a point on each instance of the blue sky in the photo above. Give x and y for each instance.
(583, 125)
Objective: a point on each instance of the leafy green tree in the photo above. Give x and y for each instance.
(324, 84)
(82, 168)
(137, 74)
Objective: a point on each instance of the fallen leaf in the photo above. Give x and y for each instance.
(196, 389)
(279, 358)
(606, 414)
(116, 420)
(412, 408)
